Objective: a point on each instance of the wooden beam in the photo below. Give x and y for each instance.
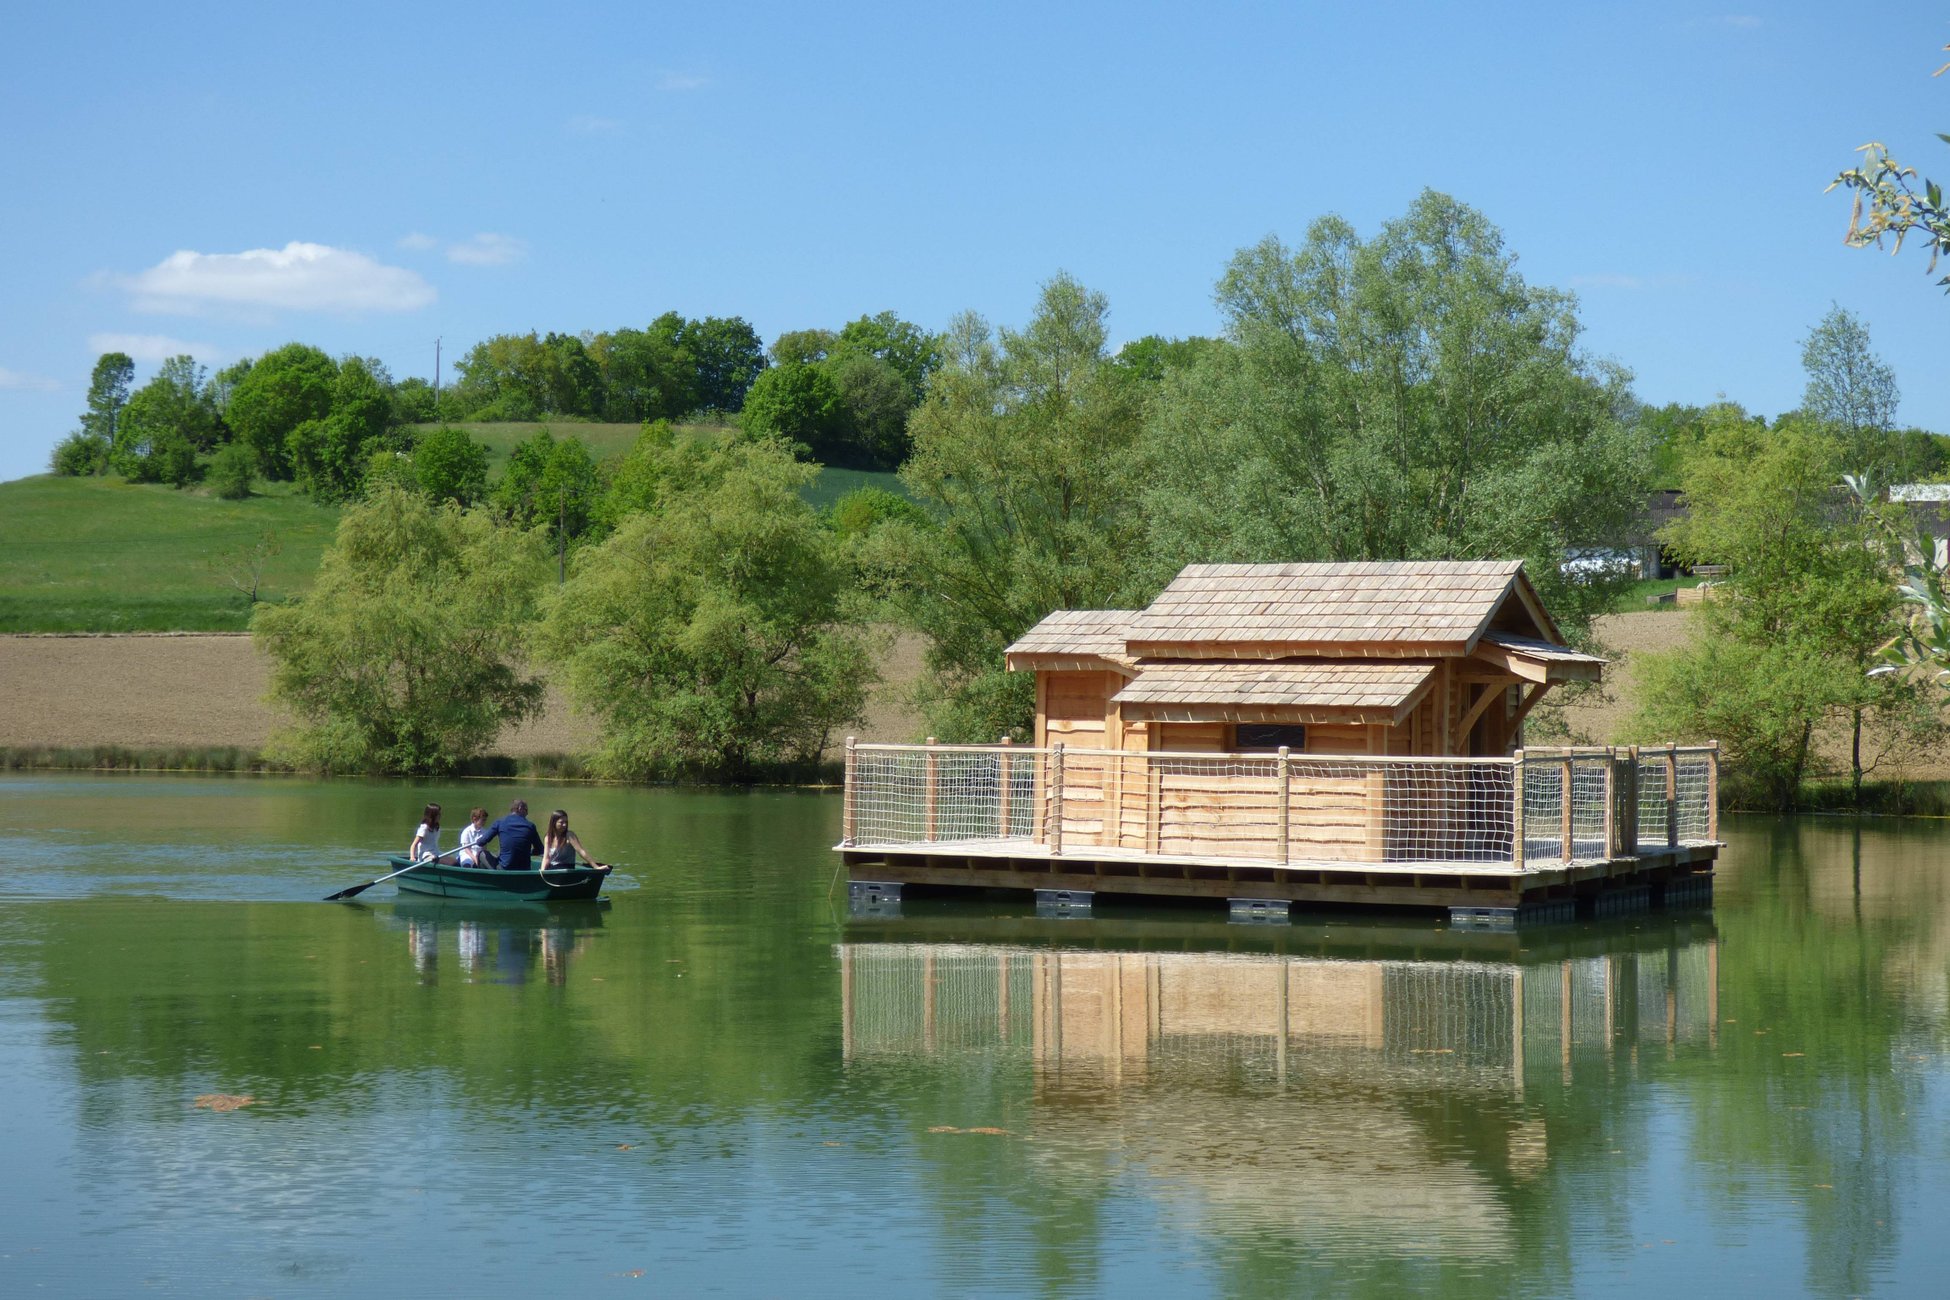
(1523, 709)
(1490, 695)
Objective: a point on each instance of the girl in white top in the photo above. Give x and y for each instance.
(471, 835)
(426, 840)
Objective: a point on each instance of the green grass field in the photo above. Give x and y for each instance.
(101, 555)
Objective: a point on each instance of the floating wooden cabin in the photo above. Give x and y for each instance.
(1295, 733)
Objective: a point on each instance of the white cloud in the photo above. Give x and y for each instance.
(20, 379)
(487, 249)
(418, 242)
(297, 277)
(590, 124)
(677, 82)
(153, 347)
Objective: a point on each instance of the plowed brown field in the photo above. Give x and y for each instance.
(165, 691)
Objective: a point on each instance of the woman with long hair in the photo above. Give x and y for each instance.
(560, 844)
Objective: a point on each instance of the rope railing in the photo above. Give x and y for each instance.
(1540, 807)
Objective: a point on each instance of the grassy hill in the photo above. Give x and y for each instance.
(101, 555)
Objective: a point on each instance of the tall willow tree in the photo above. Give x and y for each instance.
(1024, 445)
(1407, 396)
(406, 654)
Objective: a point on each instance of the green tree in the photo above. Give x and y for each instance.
(329, 456)
(164, 425)
(554, 485)
(87, 450)
(803, 347)
(708, 632)
(1154, 355)
(233, 471)
(913, 352)
(876, 401)
(1888, 203)
(284, 388)
(1785, 648)
(1851, 391)
(797, 402)
(1407, 396)
(728, 357)
(405, 655)
(646, 374)
(1025, 447)
(414, 402)
(450, 465)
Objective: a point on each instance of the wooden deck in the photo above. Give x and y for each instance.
(1537, 835)
(1022, 864)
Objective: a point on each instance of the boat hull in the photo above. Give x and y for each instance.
(444, 880)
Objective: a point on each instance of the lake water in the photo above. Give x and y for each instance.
(720, 1083)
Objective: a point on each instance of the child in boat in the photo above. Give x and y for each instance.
(426, 840)
(471, 836)
(560, 844)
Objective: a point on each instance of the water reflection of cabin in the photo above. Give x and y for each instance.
(1394, 1090)
(1526, 1015)
(1305, 732)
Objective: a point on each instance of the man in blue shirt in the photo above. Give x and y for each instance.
(519, 840)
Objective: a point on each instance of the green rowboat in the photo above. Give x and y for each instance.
(484, 884)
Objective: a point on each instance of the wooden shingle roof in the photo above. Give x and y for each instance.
(1235, 691)
(1074, 638)
(1410, 607)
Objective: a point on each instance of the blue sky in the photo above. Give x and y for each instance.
(458, 171)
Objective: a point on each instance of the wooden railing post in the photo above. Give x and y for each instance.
(1713, 791)
(1672, 796)
(850, 805)
(1516, 810)
(1611, 804)
(1632, 799)
(1008, 781)
(1056, 800)
(1286, 799)
(1568, 830)
(931, 799)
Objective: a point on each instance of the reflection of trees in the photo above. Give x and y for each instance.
(1833, 968)
(235, 996)
(1391, 1119)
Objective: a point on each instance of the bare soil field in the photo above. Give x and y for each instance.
(165, 691)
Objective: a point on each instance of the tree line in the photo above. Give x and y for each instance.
(1399, 395)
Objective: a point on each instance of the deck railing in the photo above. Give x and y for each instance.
(1537, 808)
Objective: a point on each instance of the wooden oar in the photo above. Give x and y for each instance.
(357, 890)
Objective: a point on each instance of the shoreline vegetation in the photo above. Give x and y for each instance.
(230, 760)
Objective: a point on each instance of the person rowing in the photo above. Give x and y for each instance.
(517, 836)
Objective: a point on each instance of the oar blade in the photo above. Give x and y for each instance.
(353, 892)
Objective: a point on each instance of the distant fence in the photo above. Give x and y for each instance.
(1536, 808)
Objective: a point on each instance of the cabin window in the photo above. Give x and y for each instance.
(1252, 737)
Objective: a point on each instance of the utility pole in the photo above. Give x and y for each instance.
(436, 379)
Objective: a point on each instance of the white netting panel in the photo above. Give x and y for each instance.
(1230, 806)
(1548, 781)
(1234, 806)
(1695, 795)
(1690, 803)
(1653, 803)
(907, 794)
